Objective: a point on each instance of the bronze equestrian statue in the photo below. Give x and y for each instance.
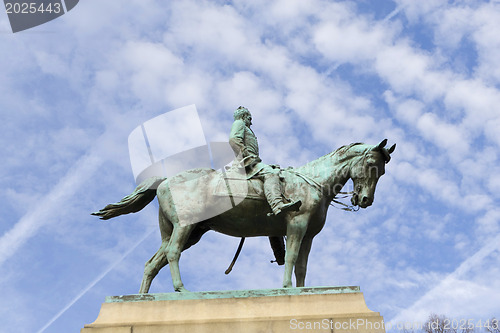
(297, 212)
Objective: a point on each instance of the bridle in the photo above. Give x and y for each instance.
(355, 208)
(350, 194)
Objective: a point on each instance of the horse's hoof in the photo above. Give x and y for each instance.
(181, 290)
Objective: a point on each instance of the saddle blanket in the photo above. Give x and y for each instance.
(240, 187)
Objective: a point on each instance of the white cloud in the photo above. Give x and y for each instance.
(410, 71)
(211, 28)
(408, 110)
(350, 39)
(489, 224)
(486, 19)
(415, 10)
(151, 66)
(247, 89)
(442, 134)
(453, 25)
(51, 63)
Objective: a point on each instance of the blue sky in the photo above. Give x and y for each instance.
(316, 75)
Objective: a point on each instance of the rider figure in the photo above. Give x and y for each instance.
(244, 143)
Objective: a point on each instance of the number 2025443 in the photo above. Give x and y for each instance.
(32, 8)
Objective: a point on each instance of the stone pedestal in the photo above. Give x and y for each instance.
(320, 309)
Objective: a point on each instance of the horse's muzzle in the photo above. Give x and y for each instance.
(362, 202)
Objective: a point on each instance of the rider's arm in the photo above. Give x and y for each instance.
(237, 137)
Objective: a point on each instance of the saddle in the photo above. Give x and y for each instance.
(235, 186)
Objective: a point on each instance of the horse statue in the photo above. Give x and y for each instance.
(315, 184)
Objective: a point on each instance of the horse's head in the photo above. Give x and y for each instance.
(366, 171)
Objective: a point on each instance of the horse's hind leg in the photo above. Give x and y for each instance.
(159, 260)
(152, 267)
(180, 235)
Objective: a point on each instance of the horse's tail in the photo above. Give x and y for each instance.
(143, 194)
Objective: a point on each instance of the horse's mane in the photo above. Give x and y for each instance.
(338, 153)
(342, 150)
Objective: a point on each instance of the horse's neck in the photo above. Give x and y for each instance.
(328, 171)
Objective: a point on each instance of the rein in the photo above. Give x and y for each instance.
(349, 208)
(318, 187)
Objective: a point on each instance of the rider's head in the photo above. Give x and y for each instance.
(244, 114)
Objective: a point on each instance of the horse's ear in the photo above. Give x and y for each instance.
(382, 144)
(391, 150)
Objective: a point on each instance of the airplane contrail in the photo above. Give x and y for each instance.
(40, 214)
(96, 280)
(465, 267)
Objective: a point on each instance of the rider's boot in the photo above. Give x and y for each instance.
(272, 190)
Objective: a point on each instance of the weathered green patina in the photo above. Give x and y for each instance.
(233, 294)
(194, 209)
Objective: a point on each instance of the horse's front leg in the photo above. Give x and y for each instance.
(296, 229)
(301, 264)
